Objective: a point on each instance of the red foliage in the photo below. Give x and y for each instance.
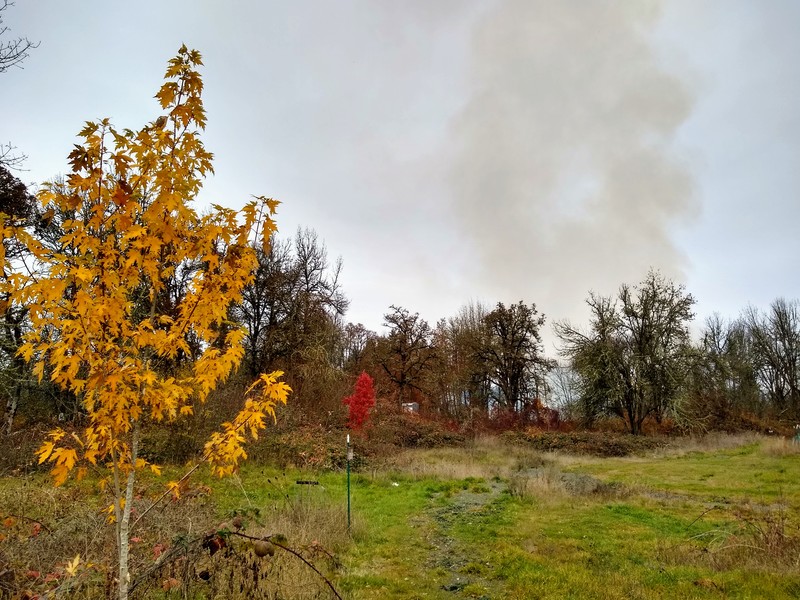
(360, 402)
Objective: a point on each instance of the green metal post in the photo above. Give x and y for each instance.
(348, 482)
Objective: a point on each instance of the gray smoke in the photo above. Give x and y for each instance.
(565, 178)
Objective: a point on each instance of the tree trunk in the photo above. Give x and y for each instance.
(11, 409)
(124, 524)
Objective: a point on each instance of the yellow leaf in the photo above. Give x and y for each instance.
(272, 204)
(175, 489)
(60, 474)
(83, 274)
(72, 567)
(26, 351)
(110, 510)
(155, 469)
(45, 451)
(38, 370)
(65, 457)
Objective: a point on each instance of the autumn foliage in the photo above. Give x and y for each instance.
(130, 291)
(360, 402)
(129, 310)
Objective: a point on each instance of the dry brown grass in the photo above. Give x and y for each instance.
(710, 442)
(780, 447)
(44, 527)
(746, 537)
(174, 554)
(234, 570)
(542, 483)
(528, 473)
(679, 446)
(485, 458)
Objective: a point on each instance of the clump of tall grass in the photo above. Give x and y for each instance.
(232, 561)
(780, 446)
(545, 482)
(749, 537)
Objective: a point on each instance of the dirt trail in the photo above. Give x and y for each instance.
(460, 568)
(456, 561)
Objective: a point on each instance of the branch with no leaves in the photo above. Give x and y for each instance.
(9, 159)
(13, 52)
(29, 519)
(309, 564)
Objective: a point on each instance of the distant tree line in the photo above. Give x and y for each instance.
(637, 359)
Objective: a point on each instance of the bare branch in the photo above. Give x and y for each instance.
(13, 52)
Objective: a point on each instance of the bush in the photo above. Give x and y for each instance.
(170, 444)
(408, 430)
(584, 442)
(360, 402)
(307, 447)
(18, 450)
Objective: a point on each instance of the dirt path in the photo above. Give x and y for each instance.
(458, 566)
(455, 561)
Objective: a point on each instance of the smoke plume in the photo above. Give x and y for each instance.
(565, 178)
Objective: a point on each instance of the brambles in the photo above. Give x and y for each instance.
(585, 442)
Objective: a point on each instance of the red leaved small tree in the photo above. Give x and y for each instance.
(359, 404)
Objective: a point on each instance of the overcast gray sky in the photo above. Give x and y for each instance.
(494, 150)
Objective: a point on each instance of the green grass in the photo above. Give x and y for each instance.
(655, 540)
(488, 521)
(741, 474)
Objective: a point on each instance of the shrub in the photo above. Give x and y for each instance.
(592, 443)
(411, 431)
(360, 402)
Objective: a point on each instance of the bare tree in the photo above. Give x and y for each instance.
(513, 353)
(295, 303)
(460, 383)
(407, 354)
(723, 380)
(9, 157)
(775, 337)
(353, 344)
(565, 391)
(12, 53)
(267, 307)
(635, 357)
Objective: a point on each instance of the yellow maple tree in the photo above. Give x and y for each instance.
(107, 323)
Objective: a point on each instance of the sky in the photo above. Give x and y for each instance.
(464, 150)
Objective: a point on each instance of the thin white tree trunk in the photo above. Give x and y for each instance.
(124, 524)
(11, 410)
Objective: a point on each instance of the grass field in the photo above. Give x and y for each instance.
(711, 519)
